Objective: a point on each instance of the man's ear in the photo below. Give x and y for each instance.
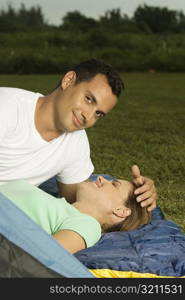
(68, 79)
(122, 212)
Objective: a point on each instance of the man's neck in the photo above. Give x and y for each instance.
(44, 119)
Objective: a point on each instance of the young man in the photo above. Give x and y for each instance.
(100, 206)
(43, 136)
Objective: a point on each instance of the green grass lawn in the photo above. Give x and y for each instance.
(147, 128)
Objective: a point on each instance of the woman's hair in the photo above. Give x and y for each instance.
(138, 217)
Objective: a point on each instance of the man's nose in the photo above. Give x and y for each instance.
(88, 115)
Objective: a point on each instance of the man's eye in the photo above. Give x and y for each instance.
(99, 114)
(89, 99)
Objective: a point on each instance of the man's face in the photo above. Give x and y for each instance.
(79, 106)
(104, 193)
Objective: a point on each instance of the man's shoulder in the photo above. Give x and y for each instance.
(10, 94)
(13, 91)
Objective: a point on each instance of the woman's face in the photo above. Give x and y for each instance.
(104, 193)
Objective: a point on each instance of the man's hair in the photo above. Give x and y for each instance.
(88, 69)
(139, 216)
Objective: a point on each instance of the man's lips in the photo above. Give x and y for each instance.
(76, 121)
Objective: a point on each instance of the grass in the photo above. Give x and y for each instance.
(147, 127)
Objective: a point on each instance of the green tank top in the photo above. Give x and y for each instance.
(51, 213)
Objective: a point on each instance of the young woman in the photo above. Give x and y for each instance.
(100, 206)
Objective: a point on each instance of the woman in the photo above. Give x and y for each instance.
(100, 206)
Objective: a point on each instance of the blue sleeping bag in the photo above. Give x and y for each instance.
(153, 250)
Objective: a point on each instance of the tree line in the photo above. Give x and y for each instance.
(146, 19)
(153, 39)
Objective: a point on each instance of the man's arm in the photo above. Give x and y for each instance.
(68, 191)
(70, 240)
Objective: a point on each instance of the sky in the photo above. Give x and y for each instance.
(54, 10)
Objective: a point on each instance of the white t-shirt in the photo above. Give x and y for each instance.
(24, 154)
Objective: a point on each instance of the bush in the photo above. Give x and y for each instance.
(55, 51)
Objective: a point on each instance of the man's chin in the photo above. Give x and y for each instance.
(68, 129)
(73, 129)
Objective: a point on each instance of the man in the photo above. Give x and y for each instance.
(43, 136)
(100, 206)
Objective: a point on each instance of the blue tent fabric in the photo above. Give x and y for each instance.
(156, 248)
(19, 229)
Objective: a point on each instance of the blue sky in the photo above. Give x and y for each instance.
(54, 10)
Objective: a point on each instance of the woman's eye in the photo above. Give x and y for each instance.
(115, 183)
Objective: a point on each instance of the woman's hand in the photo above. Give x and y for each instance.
(146, 191)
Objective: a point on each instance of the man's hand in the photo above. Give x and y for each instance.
(145, 192)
